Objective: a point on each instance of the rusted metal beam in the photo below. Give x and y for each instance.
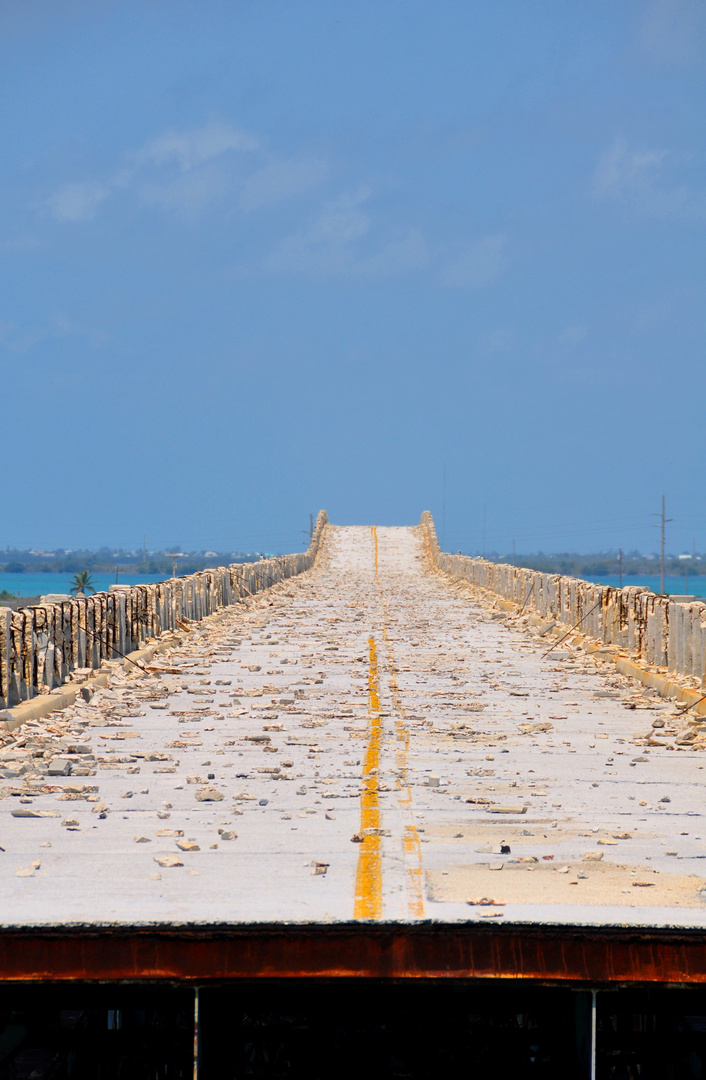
(558, 955)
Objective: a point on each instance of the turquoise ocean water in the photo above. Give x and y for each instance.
(29, 584)
(697, 585)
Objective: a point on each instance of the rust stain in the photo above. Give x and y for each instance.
(555, 955)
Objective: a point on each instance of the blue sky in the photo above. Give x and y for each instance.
(259, 258)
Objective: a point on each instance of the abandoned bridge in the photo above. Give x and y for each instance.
(376, 761)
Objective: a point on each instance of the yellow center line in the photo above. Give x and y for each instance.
(368, 879)
(411, 846)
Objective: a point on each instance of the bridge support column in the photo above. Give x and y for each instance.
(5, 654)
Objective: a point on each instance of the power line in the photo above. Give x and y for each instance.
(661, 526)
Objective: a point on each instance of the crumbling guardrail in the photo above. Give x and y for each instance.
(41, 645)
(654, 628)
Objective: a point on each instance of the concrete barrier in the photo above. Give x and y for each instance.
(666, 634)
(41, 646)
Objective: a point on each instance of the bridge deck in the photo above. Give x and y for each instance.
(384, 748)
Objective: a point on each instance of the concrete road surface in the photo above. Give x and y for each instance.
(366, 741)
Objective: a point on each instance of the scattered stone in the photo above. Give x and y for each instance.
(28, 871)
(187, 845)
(142, 840)
(60, 766)
(227, 834)
(209, 794)
(168, 860)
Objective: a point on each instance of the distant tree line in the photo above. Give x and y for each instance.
(606, 565)
(105, 562)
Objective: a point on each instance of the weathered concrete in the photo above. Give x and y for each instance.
(366, 741)
(40, 647)
(667, 634)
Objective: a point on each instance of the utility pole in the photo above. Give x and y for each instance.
(663, 522)
(443, 510)
(310, 531)
(513, 549)
(620, 567)
(174, 555)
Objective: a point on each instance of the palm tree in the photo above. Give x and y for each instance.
(82, 584)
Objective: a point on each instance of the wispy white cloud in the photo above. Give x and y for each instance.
(77, 202)
(220, 168)
(621, 170)
(177, 171)
(193, 147)
(398, 256)
(187, 194)
(478, 263)
(644, 182)
(326, 246)
(22, 339)
(347, 239)
(279, 180)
